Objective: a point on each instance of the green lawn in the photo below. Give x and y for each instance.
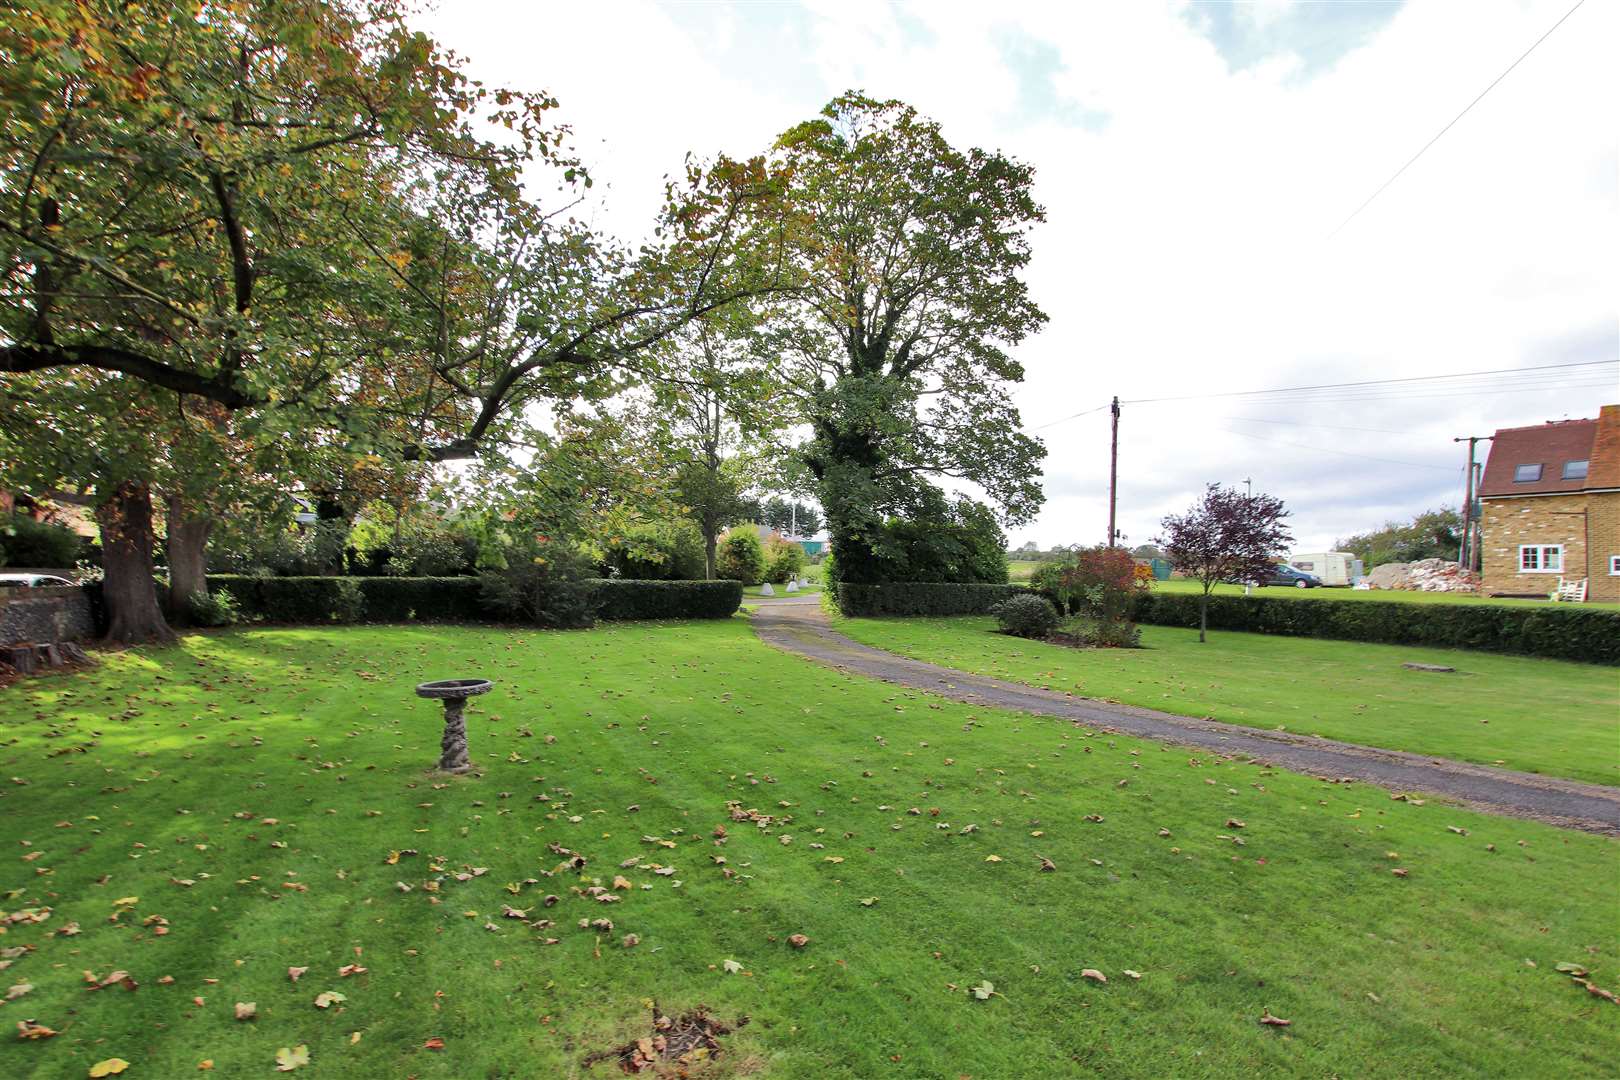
(1021, 569)
(1181, 585)
(1544, 716)
(261, 796)
(756, 591)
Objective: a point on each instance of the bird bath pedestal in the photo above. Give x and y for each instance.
(454, 693)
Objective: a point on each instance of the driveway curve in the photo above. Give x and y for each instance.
(798, 625)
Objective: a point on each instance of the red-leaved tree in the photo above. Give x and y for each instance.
(1225, 536)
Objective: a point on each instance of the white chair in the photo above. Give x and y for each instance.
(1573, 591)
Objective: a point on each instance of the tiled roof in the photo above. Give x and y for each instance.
(1551, 445)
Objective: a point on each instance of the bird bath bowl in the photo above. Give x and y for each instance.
(454, 693)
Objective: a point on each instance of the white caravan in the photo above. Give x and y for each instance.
(1333, 567)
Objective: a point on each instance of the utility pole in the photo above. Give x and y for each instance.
(1466, 552)
(1113, 472)
(1248, 486)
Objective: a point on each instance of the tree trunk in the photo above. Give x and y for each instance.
(711, 543)
(133, 614)
(1203, 614)
(188, 557)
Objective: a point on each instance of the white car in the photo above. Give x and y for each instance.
(34, 581)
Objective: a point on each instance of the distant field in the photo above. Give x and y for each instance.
(1020, 569)
(1177, 585)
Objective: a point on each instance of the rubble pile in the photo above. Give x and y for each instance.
(1425, 575)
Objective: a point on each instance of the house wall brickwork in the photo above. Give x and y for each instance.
(1587, 524)
(1603, 533)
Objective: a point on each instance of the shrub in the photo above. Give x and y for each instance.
(540, 592)
(783, 559)
(920, 598)
(430, 552)
(621, 599)
(217, 607)
(26, 542)
(1103, 633)
(741, 556)
(1584, 634)
(1026, 616)
(656, 551)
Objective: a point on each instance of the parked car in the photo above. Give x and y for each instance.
(33, 581)
(1283, 574)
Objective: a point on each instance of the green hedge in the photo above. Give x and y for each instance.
(625, 599)
(1559, 633)
(455, 599)
(922, 598)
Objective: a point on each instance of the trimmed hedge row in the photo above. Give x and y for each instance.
(621, 598)
(1558, 633)
(455, 599)
(922, 598)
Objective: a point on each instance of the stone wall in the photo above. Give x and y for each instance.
(1571, 520)
(42, 615)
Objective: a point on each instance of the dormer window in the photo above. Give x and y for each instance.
(1575, 470)
(1529, 474)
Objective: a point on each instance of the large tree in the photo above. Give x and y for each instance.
(908, 255)
(290, 211)
(1226, 535)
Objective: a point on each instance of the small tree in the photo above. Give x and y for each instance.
(1225, 536)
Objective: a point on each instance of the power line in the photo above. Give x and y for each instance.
(1325, 427)
(1341, 453)
(1454, 120)
(1365, 382)
(1076, 416)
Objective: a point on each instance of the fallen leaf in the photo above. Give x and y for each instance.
(1094, 975)
(18, 990)
(434, 1043)
(328, 998)
(29, 1029)
(1047, 865)
(992, 858)
(731, 966)
(288, 1059)
(246, 1010)
(110, 1067)
(351, 969)
(983, 990)
(798, 941)
(293, 973)
(1273, 1021)
(1571, 969)
(205, 1064)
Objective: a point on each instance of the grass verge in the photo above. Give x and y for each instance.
(1533, 715)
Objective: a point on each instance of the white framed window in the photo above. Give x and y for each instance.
(1614, 565)
(1541, 558)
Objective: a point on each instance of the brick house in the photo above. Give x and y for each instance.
(1550, 508)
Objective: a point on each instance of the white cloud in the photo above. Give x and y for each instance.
(1187, 248)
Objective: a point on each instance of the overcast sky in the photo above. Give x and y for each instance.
(1195, 160)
